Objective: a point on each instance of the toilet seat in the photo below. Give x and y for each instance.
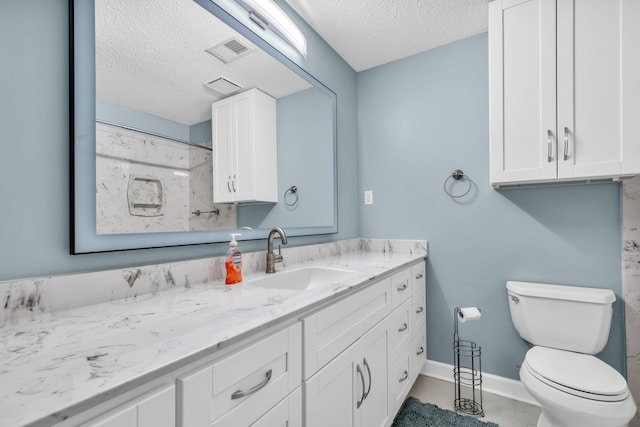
(580, 375)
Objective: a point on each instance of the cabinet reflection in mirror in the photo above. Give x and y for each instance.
(200, 127)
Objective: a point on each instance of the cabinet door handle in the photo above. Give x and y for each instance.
(549, 146)
(420, 351)
(566, 143)
(229, 184)
(363, 396)
(419, 310)
(404, 377)
(233, 183)
(366, 365)
(402, 287)
(419, 275)
(242, 393)
(403, 327)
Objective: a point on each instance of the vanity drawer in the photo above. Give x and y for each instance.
(418, 277)
(287, 413)
(399, 380)
(240, 388)
(155, 409)
(418, 351)
(400, 287)
(331, 330)
(418, 310)
(399, 327)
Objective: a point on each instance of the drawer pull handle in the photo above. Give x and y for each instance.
(403, 328)
(404, 377)
(242, 393)
(363, 395)
(419, 310)
(420, 351)
(419, 276)
(402, 287)
(366, 365)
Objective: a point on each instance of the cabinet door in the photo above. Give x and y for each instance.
(244, 161)
(597, 56)
(374, 409)
(522, 87)
(330, 394)
(223, 140)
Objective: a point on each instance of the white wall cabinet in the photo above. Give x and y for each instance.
(564, 90)
(351, 390)
(245, 167)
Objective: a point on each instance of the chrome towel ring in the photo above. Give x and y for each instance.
(292, 192)
(457, 175)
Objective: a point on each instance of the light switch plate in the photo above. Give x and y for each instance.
(368, 197)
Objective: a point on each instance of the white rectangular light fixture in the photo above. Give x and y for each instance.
(268, 12)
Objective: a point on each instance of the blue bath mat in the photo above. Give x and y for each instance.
(417, 414)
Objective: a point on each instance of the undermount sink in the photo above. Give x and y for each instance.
(302, 278)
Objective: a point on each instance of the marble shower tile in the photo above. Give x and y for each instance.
(631, 283)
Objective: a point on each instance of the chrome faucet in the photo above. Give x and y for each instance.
(271, 257)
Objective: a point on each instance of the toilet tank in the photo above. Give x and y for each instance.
(564, 317)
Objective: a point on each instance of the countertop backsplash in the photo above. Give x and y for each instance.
(29, 297)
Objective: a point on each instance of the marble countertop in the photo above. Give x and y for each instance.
(51, 363)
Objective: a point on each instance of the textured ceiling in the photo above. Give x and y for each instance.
(150, 56)
(368, 33)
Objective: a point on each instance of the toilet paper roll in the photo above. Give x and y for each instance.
(469, 314)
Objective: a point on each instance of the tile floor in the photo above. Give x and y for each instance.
(500, 410)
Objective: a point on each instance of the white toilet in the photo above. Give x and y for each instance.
(567, 325)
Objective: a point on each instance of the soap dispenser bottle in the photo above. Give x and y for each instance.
(233, 262)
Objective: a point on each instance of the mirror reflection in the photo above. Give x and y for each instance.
(199, 129)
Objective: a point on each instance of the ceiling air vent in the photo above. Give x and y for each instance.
(229, 50)
(223, 86)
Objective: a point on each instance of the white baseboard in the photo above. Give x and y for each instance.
(494, 384)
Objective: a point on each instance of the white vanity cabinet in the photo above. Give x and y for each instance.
(239, 389)
(564, 90)
(245, 157)
(359, 354)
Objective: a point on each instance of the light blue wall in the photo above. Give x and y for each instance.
(424, 116)
(198, 133)
(34, 148)
(118, 114)
(305, 153)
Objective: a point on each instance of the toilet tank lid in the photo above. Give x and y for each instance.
(572, 293)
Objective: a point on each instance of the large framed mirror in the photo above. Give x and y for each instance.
(147, 151)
